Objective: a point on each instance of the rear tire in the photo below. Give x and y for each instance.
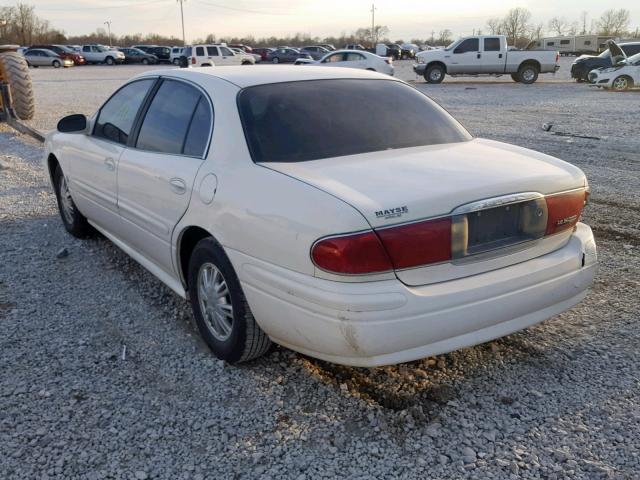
(220, 308)
(275, 60)
(176, 61)
(14, 69)
(74, 222)
(528, 74)
(622, 83)
(145, 61)
(434, 74)
(246, 62)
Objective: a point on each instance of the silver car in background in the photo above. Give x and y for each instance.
(40, 57)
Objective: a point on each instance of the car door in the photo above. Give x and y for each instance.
(156, 175)
(492, 57)
(354, 60)
(90, 161)
(228, 57)
(333, 60)
(466, 57)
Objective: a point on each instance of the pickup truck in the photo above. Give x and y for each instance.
(101, 54)
(485, 55)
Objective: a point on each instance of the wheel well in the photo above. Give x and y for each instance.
(534, 63)
(52, 163)
(187, 242)
(444, 67)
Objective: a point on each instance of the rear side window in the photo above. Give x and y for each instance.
(199, 51)
(199, 130)
(564, 42)
(116, 117)
(469, 45)
(168, 119)
(212, 51)
(187, 52)
(310, 120)
(491, 44)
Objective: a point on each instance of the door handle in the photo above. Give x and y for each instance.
(499, 55)
(110, 164)
(178, 186)
(479, 55)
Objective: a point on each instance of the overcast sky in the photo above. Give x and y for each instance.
(406, 19)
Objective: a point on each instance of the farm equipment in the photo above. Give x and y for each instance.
(17, 102)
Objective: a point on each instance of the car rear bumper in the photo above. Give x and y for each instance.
(386, 322)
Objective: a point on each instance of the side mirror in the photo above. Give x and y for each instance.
(73, 123)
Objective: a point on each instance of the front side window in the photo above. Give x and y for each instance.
(630, 50)
(226, 51)
(491, 44)
(469, 45)
(336, 57)
(310, 120)
(167, 121)
(116, 117)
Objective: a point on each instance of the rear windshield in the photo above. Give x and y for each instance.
(310, 120)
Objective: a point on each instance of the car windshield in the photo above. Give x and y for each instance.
(65, 49)
(310, 120)
(101, 48)
(605, 54)
(451, 45)
(634, 59)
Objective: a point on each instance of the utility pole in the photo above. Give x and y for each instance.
(373, 25)
(108, 24)
(184, 43)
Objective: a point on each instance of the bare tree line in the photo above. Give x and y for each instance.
(19, 24)
(519, 29)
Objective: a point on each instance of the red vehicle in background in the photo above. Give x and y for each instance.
(263, 52)
(245, 48)
(64, 52)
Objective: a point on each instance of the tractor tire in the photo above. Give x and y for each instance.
(15, 71)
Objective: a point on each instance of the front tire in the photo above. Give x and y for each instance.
(56, 64)
(622, 83)
(74, 222)
(176, 62)
(275, 60)
(145, 61)
(434, 74)
(109, 61)
(220, 308)
(528, 74)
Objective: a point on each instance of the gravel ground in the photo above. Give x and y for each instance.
(103, 375)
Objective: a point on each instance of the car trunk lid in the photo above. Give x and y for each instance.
(402, 186)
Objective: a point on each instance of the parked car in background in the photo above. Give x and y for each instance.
(64, 52)
(585, 63)
(623, 76)
(215, 54)
(40, 57)
(135, 55)
(353, 46)
(408, 51)
(380, 230)
(263, 52)
(286, 55)
(163, 53)
(246, 58)
(328, 46)
(316, 52)
(485, 55)
(75, 48)
(394, 51)
(353, 59)
(244, 48)
(101, 54)
(176, 53)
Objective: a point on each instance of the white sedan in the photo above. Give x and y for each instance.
(340, 213)
(624, 76)
(352, 59)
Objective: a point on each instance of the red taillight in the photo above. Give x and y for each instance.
(418, 243)
(356, 254)
(193, 60)
(564, 210)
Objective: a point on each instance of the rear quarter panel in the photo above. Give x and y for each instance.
(546, 59)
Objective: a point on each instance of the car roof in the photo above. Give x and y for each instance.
(243, 76)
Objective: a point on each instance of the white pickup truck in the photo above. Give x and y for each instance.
(485, 55)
